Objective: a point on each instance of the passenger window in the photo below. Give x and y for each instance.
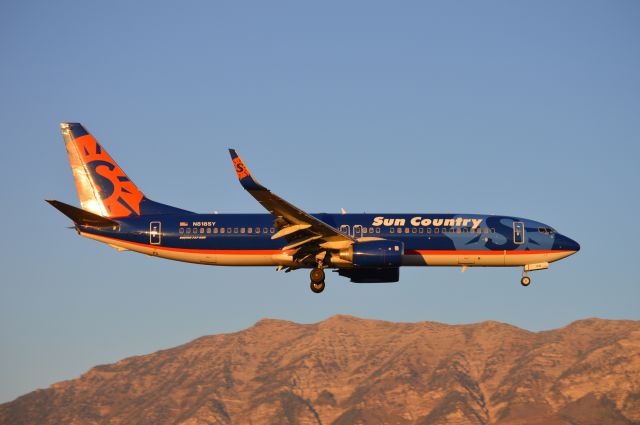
(371, 230)
(242, 230)
(406, 230)
(188, 230)
(228, 229)
(265, 230)
(273, 230)
(458, 230)
(208, 229)
(486, 230)
(465, 230)
(421, 230)
(364, 230)
(392, 230)
(215, 230)
(235, 230)
(444, 230)
(202, 230)
(414, 230)
(436, 230)
(428, 229)
(249, 229)
(257, 230)
(493, 230)
(222, 230)
(377, 230)
(181, 231)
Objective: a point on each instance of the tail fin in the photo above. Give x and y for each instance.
(103, 188)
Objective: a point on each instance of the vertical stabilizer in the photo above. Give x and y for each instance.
(103, 188)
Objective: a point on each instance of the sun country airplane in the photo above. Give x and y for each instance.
(366, 248)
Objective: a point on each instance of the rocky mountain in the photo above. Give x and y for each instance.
(346, 370)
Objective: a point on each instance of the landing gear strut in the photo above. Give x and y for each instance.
(317, 280)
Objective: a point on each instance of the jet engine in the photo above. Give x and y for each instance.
(378, 253)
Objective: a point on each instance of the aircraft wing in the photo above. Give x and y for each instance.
(304, 232)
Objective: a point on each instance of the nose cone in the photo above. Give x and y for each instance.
(568, 244)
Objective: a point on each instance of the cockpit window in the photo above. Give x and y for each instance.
(546, 230)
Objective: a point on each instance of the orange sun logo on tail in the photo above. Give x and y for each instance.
(102, 186)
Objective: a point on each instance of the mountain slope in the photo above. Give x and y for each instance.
(346, 370)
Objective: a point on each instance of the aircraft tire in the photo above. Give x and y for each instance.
(317, 275)
(525, 281)
(317, 287)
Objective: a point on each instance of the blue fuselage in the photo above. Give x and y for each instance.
(429, 239)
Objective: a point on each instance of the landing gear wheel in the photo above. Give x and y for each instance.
(317, 276)
(525, 281)
(317, 287)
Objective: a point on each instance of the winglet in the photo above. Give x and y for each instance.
(244, 175)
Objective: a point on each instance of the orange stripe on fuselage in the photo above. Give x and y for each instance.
(279, 251)
(479, 252)
(197, 251)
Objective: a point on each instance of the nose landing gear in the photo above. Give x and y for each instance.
(526, 281)
(317, 280)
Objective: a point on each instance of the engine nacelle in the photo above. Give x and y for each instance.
(379, 253)
(372, 275)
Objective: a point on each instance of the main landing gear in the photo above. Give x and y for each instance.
(317, 280)
(526, 280)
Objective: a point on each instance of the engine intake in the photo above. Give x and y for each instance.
(380, 253)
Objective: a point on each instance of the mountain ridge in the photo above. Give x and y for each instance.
(347, 369)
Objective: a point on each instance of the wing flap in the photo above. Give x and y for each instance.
(302, 242)
(288, 230)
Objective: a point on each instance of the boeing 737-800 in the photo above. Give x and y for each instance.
(366, 248)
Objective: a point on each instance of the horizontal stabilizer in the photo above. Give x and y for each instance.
(82, 217)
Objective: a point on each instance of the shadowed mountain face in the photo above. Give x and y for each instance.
(347, 370)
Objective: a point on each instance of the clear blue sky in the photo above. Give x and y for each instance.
(523, 108)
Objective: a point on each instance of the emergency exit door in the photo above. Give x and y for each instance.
(518, 232)
(155, 233)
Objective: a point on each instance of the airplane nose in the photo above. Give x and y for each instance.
(570, 244)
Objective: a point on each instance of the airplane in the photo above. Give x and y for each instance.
(365, 248)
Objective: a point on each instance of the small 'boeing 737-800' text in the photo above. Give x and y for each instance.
(366, 248)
